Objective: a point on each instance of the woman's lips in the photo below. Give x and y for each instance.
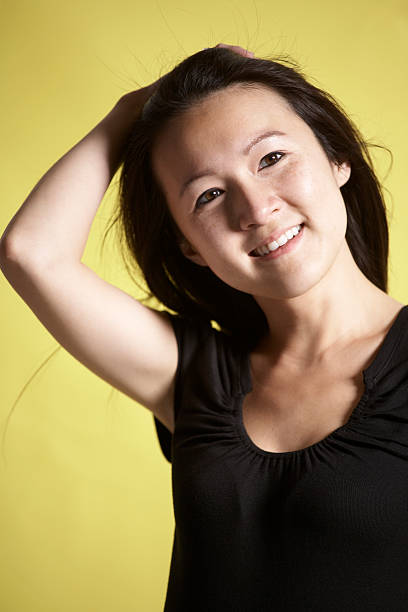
(274, 238)
(286, 248)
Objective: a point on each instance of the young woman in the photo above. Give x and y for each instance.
(248, 199)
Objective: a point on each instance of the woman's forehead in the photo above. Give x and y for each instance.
(226, 125)
(232, 115)
(235, 98)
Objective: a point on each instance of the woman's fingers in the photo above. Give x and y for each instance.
(237, 49)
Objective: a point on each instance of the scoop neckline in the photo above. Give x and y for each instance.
(370, 376)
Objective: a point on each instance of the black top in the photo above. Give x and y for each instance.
(324, 528)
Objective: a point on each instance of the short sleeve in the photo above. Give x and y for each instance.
(164, 436)
(190, 334)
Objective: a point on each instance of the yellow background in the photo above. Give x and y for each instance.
(86, 519)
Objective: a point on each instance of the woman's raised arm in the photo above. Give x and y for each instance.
(127, 344)
(54, 221)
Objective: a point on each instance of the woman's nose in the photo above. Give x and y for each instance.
(256, 207)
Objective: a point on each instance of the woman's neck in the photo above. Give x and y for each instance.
(343, 307)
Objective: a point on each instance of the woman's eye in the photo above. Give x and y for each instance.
(207, 196)
(270, 156)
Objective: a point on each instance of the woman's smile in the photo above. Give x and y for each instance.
(285, 243)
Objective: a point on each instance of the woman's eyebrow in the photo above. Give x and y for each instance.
(260, 137)
(246, 151)
(193, 178)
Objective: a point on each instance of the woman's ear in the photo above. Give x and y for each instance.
(190, 252)
(342, 173)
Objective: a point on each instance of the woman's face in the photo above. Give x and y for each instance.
(238, 170)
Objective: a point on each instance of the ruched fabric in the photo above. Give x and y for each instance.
(317, 529)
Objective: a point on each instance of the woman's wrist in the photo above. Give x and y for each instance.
(115, 127)
(134, 101)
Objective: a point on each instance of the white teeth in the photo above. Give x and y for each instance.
(275, 244)
(272, 246)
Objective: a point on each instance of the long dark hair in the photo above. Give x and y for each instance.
(149, 231)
